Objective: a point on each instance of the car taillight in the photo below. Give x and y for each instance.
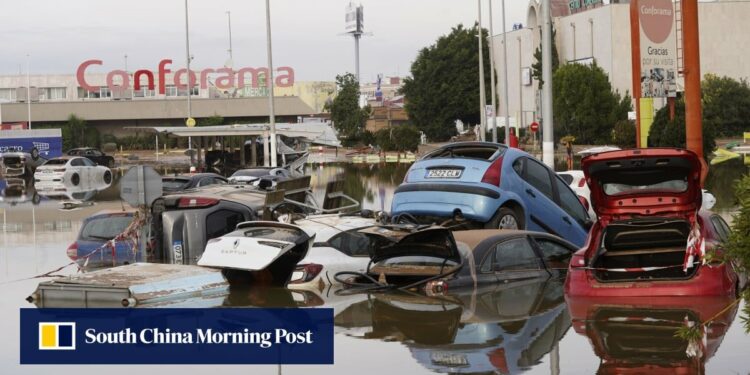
(492, 176)
(72, 251)
(59, 170)
(305, 273)
(196, 202)
(582, 182)
(577, 260)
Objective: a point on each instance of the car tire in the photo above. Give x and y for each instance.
(75, 179)
(36, 199)
(34, 154)
(506, 218)
(107, 177)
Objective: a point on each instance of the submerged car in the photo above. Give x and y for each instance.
(491, 185)
(177, 183)
(463, 259)
(261, 252)
(95, 155)
(71, 170)
(254, 175)
(338, 247)
(90, 247)
(650, 239)
(20, 164)
(577, 182)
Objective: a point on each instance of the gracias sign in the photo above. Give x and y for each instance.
(223, 78)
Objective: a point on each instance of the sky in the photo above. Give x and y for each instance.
(307, 34)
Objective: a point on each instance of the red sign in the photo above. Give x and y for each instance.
(534, 126)
(225, 78)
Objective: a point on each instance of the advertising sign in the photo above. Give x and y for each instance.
(354, 19)
(658, 48)
(45, 143)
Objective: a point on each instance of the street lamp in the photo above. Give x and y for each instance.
(269, 83)
(28, 91)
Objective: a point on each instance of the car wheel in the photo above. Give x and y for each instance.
(107, 177)
(75, 179)
(506, 218)
(34, 154)
(36, 198)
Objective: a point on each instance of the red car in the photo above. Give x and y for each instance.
(650, 239)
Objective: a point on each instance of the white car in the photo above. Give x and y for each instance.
(338, 247)
(577, 181)
(72, 170)
(253, 176)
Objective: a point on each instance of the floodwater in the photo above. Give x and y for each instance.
(509, 328)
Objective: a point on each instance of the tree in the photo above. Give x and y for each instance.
(624, 134)
(348, 118)
(726, 105)
(75, 133)
(398, 138)
(585, 105)
(210, 121)
(536, 67)
(671, 133)
(443, 83)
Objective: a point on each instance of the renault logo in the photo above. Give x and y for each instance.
(236, 243)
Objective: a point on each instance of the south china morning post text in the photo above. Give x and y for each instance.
(146, 336)
(177, 336)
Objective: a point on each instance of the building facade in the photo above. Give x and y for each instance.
(599, 31)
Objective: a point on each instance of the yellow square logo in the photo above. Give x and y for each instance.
(57, 336)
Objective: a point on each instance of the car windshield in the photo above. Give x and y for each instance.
(173, 183)
(670, 186)
(105, 227)
(251, 173)
(56, 162)
(417, 261)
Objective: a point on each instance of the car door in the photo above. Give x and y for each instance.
(537, 193)
(76, 166)
(89, 169)
(513, 259)
(555, 255)
(573, 218)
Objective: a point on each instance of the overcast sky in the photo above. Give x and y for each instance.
(59, 35)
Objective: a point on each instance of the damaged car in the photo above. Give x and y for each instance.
(650, 239)
(435, 259)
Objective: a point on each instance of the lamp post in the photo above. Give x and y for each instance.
(229, 24)
(187, 62)
(548, 144)
(492, 78)
(28, 91)
(482, 99)
(269, 83)
(505, 79)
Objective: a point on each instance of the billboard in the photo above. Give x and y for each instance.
(46, 142)
(354, 19)
(658, 48)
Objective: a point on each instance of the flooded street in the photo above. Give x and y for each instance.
(524, 326)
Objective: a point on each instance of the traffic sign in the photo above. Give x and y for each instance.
(190, 122)
(140, 186)
(534, 126)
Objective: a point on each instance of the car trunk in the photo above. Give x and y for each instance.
(461, 163)
(405, 255)
(643, 250)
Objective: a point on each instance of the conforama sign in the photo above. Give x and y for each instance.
(225, 78)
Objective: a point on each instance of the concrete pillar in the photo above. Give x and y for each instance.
(254, 151)
(242, 152)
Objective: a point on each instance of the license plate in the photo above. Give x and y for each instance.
(449, 359)
(444, 173)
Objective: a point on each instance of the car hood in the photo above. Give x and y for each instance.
(254, 246)
(644, 182)
(390, 241)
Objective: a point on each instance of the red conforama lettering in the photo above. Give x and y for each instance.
(226, 79)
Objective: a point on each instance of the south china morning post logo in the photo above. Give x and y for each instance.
(57, 336)
(177, 336)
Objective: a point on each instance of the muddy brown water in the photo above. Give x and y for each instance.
(520, 327)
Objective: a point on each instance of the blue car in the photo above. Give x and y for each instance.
(492, 185)
(95, 232)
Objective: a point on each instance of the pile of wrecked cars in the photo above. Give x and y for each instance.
(468, 216)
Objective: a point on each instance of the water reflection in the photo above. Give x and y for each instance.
(638, 335)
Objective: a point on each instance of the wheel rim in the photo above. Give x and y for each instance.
(508, 222)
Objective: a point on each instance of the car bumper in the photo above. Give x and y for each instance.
(440, 199)
(49, 177)
(14, 171)
(708, 281)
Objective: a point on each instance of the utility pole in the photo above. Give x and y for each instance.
(189, 84)
(269, 82)
(492, 79)
(692, 73)
(548, 143)
(229, 22)
(505, 79)
(28, 90)
(482, 99)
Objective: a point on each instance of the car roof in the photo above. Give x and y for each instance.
(245, 194)
(472, 238)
